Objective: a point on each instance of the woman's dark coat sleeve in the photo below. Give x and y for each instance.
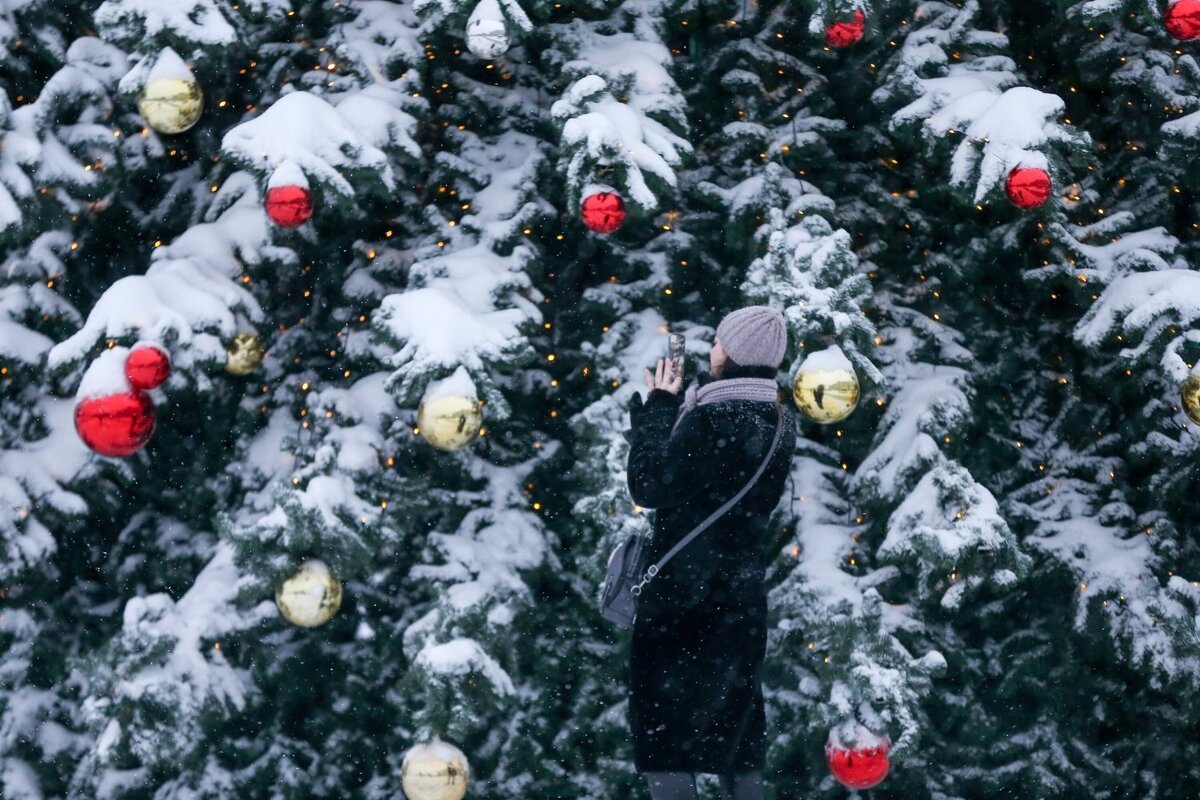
(662, 467)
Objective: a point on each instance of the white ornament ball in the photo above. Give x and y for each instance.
(311, 596)
(436, 770)
(487, 38)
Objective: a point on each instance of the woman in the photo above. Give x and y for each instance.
(700, 633)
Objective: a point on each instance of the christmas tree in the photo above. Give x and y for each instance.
(319, 322)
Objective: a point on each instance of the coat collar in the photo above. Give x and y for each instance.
(738, 371)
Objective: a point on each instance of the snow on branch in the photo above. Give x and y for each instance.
(1157, 68)
(622, 119)
(932, 399)
(811, 273)
(459, 648)
(62, 140)
(168, 674)
(18, 342)
(634, 68)
(1108, 250)
(337, 146)
(382, 34)
(33, 476)
(153, 23)
(325, 514)
(951, 528)
(772, 187)
(1142, 306)
(944, 528)
(459, 657)
(599, 132)
(1114, 565)
(470, 305)
(484, 556)
(189, 299)
(838, 622)
(954, 92)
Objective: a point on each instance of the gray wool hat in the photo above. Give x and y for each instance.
(754, 336)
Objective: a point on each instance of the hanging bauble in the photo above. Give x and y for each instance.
(311, 596)
(826, 386)
(844, 34)
(1189, 397)
(244, 354)
(112, 417)
(436, 770)
(171, 100)
(450, 416)
(289, 206)
(116, 424)
(1027, 187)
(450, 422)
(487, 36)
(289, 202)
(147, 366)
(858, 767)
(1182, 20)
(603, 212)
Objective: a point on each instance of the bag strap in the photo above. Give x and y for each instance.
(653, 569)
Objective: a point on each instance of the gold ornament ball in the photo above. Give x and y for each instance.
(244, 354)
(1189, 395)
(826, 386)
(310, 597)
(450, 422)
(171, 105)
(434, 771)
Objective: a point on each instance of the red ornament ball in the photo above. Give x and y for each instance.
(116, 424)
(603, 212)
(147, 367)
(289, 206)
(844, 34)
(1182, 20)
(1027, 187)
(861, 768)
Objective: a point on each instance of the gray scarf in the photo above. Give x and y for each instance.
(762, 389)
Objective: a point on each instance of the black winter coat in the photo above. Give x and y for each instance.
(700, 635)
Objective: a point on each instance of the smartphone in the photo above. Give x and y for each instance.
(675, 353)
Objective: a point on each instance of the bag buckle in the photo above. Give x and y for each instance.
(651, 571)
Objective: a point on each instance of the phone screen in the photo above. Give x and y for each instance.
(675, 352)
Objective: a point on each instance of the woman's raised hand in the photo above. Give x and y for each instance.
(664, 378)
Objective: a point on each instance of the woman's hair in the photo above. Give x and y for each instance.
(729, 362)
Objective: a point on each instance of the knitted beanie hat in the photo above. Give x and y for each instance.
(754, 336)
